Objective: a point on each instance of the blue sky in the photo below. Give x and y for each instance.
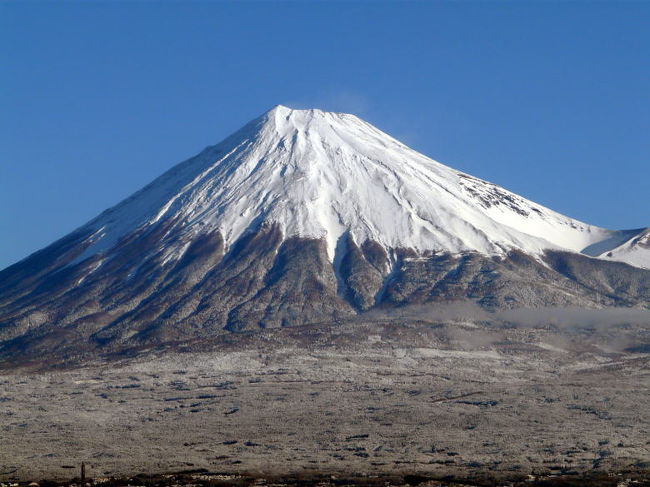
(548, 99)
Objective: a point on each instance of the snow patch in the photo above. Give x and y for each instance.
(321, 175)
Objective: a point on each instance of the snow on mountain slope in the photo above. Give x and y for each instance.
(319, 174)
(634, 251)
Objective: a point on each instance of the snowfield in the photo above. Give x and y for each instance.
(324, 175)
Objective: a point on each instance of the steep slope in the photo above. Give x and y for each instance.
(634, 251)
(320, 175)
(304, 216)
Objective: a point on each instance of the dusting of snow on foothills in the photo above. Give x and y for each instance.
(323, 175)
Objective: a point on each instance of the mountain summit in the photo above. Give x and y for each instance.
(306, 216)
(324, 175)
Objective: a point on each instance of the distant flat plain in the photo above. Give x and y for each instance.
(449, 398)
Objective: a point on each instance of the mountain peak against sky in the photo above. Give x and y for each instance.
(302, 217)
(326, 175)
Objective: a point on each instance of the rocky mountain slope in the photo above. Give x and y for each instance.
(300, 217)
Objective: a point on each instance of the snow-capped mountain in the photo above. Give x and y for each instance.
(322, 175)
(307, 216)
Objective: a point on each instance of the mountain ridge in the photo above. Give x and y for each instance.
(304, 216)
(321, 174)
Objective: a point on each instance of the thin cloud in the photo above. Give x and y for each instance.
(338, 101)
(573, 317)
(560, 317)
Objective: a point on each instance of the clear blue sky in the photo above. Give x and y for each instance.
(549, 99)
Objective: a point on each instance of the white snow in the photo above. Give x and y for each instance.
(634, 251)
(320, 174)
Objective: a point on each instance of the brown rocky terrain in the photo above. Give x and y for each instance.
(268, 282)
(428, 398)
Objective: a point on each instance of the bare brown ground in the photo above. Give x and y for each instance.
(506, 403)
